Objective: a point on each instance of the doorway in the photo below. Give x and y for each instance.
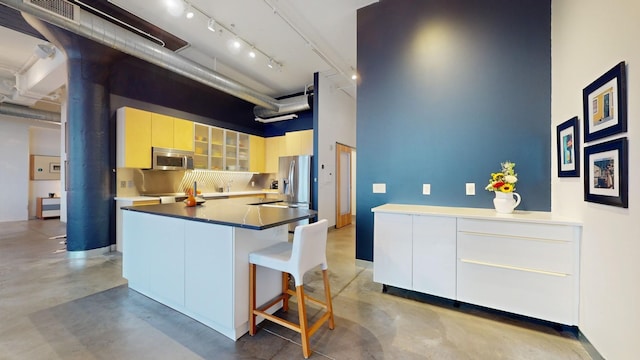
(345, 178)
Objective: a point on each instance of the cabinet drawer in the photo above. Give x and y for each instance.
(518, 229)
(542, 296)
(526, 253)
(50, 201)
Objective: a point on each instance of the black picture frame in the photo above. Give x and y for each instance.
(568, 148)
(606, 173)
(604, 104)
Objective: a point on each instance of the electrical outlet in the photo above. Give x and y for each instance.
(123, 184)
(130, 183)
(471, 188)
(426, 189)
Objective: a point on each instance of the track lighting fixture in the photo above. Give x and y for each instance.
(234, 42)
(189, 14)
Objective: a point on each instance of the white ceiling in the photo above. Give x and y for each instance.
(304, 36)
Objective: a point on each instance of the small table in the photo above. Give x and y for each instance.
(47, 207)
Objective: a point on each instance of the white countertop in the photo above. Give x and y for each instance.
(488, 214)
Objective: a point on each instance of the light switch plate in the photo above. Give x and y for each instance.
(379, 188)
(426, 189)
(471, 188)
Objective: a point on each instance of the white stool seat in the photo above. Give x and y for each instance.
(307, 251)
(274, 257)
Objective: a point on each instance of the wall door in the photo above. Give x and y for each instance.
(343, 185)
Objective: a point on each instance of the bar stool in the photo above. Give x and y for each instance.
(307, 251)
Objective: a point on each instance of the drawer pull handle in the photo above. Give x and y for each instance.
(552, 273)
(519, 237)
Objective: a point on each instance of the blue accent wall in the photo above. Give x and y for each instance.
(449, 90)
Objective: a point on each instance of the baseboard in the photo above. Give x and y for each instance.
(591, 350)
(88, 253)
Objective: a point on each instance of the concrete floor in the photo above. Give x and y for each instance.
(52, 307)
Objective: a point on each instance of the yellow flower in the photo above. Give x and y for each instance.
(496, 176)
(506, 188)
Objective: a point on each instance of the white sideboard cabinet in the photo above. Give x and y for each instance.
(525, 263)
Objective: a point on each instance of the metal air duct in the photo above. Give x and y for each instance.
(26, 112)
(99, 30)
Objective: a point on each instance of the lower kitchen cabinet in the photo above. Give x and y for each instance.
(415, 252)
(526, 264)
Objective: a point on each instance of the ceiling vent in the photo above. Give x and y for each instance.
(60, 8)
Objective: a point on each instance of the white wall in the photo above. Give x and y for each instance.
(336, 123)
(588, 38)
(14, 166)
(43, 141)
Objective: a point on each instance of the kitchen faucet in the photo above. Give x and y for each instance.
(229, 185)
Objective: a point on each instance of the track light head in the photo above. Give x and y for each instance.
(211, 25)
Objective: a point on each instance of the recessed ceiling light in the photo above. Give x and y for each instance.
(354, 76)
(252, 54)
(236, 44)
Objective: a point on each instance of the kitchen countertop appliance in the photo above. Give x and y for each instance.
(294, 184)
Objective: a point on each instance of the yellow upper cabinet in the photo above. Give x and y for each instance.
(274, 147)
(161, 131)
(182, 134)
(256, 154)
(299, 142)
(170, 132)
(133, 132)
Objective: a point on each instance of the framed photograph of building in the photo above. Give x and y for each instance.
(604, 104)
(606, 173)
(568, 148)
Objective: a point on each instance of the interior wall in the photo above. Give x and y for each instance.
(449, 90)
(336, 123)
(43, 141)
(589, 38)
(14, 166)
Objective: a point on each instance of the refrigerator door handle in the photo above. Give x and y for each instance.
(292, 167)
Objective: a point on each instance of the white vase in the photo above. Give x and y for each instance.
(505, 202)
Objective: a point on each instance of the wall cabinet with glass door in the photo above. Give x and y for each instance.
(217, 149)
(220, 149)
(201, 146)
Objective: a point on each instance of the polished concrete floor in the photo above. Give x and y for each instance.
(52, 307)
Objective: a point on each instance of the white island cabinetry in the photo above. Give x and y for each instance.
(195, 260)
(525, 263)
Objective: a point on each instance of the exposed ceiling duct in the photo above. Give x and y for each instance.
(27, 112)
(70, 17)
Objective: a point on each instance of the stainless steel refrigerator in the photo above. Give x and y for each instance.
(294, 183)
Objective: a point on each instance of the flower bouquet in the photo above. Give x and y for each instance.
(505, 180)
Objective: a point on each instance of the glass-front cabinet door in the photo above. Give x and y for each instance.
(217, 149)
(201, 146)
(231, 150)
(243, 152)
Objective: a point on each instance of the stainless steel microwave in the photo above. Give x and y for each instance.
(171, 159)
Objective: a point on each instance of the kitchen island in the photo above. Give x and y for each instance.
(195, 259)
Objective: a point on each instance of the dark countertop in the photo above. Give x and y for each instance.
(231, 212)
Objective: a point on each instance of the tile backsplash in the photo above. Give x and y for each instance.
(134, 182)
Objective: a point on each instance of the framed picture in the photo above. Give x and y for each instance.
(604, 104)
(606, 174)
(568, 147)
